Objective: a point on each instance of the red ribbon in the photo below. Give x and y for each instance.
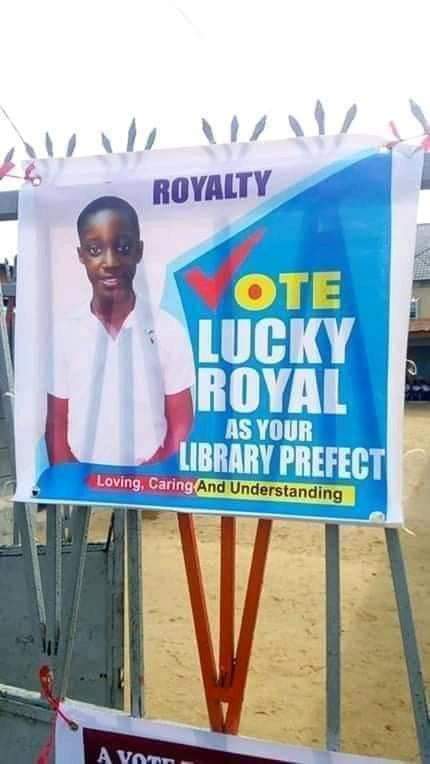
(5, 169)
(47, 692)
(27, 176)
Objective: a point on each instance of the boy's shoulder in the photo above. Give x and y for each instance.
(67, 325)
(162, 317)
(166, 325)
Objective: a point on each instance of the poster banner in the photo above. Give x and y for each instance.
(108, 737)
(220, 329)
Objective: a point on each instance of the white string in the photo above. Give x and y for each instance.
(12, 124)
(414, 451)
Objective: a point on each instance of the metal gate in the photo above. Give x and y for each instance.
(62, 601)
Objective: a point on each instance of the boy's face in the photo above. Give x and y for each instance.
(110, 251)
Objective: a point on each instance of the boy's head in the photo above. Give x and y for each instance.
(110, 246)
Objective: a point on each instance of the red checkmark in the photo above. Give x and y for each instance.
(212, 288)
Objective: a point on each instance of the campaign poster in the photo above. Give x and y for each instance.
(220, 329)
(109, 737)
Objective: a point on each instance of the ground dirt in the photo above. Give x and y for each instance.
(285, 692)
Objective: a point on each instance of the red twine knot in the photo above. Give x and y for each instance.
(47, 692)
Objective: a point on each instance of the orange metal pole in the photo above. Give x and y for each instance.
(201, 620)
(247, 629)
(230, 687)
(227, 600)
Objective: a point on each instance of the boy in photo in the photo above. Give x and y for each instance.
(120, 391)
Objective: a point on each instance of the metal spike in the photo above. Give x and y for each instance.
(131, 136)
(394, 130)
(49, 145)
(208, 131)
(9, 156)
(258, 129)
(71, 145)
(234, 129)
(419, 115)
(30, 150)
(151, 139)
(349, 118)
(320, 117)
(296, 126)
(106, 144)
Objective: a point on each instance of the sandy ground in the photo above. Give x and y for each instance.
(285, 694)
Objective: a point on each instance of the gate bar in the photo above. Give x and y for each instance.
(333, 616)
(217, 689)
(201, 620)
(249, 621)
(410, 646)
(227, 600)
(116, 571)
(54, 580)
(81, 520)
(135, 610)
(23, 515)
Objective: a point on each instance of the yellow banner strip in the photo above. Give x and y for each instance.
(259, 490)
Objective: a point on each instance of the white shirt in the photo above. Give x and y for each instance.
(116, 386)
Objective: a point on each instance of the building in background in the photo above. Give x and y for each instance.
(7, 271)
(419, 327)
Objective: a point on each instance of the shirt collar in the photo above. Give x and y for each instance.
(139, 315)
